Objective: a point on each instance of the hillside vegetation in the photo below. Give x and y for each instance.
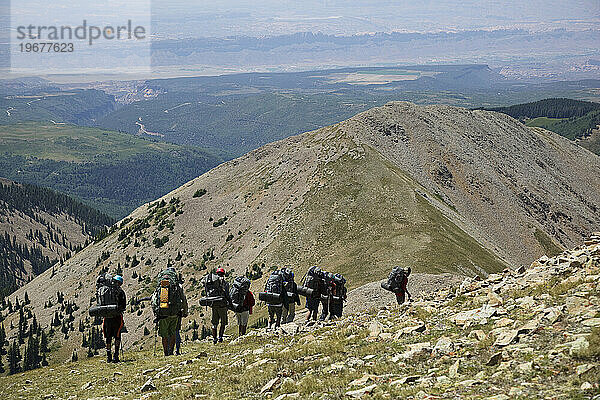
(75, 106)
(529, 333)
(114, 172)
(573, 119)
(38, 227)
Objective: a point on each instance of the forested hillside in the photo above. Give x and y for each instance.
(550, 108)
(111, 171)
(573, 119)
(39, 226)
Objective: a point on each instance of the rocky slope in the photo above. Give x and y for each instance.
(520, 334)
(439, 188)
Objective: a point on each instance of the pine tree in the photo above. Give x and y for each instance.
(44, 343)
(2, 338)
(14, 359)
(27, 301)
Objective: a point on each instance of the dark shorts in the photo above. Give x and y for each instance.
(112, 327)
(167, 327)
(219, 313)
(312, 304)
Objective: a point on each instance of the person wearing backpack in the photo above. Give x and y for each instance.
(219, 308)
(397, 283)
(244, 312)
(169, 305)
(402, 287)
(291, 289)
(313, 281)
(338, 296)
(274, 285)
(112, 326)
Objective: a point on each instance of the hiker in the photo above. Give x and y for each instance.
(313, 281)
(274, 286)
(397, 283)
(169, 305)
(338, 296)
(325, 294)
(217, 287)
(403, 290)
(291, 289)
(112, 326)
(242, 301)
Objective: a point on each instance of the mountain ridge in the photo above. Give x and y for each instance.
(297, 202)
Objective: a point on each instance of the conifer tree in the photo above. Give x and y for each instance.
(14, 358)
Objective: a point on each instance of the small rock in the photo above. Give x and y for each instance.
(586, 386)
(357, 394)
(478, 334)
(375, 328)
(577, 346)
(270, 385)
(362, 381)
(583, 368)
(506, 338)
(453, 372)
(494, 300)
(592, 322)
(515, 392)
(494, 360)
(470, 382)
(148, 386)
(405, 380)
(526, 367)
(443, 346)
(87, 386)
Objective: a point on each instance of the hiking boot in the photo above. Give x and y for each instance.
(214, 340)
(116, 358)
(221, 339)
(108, 357)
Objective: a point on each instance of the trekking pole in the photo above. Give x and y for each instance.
(155, 337)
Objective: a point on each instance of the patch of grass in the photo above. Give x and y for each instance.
(550, 248)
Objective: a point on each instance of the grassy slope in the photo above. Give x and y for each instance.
(368, 216)
(326, 361)
(115, 172)
(571, 128)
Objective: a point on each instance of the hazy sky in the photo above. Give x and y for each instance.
(219, 18)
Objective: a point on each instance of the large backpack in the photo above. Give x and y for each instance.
(395, 279)
(288, 279)
(107, 297)
(214, 286)
(168, 295)
(274, 283)
(312, 278)
(238, 292)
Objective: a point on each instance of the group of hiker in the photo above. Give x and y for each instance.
(281, 294)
